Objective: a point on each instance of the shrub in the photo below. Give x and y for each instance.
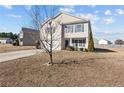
(70, 48)
(15, 43)
(38, 44)
(85, 50)
(119, 42)
(81, 49)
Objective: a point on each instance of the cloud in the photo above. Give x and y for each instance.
(96, 12)
(28, 7)
(89, 16)
(111, 32)
(7, 6)
(67, 9)
(3, 29)
(120, 11)
(92, 6)
(14, 15)
(95, 27)
(109, 20)
(108, 12)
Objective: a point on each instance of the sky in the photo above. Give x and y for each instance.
(107, 21)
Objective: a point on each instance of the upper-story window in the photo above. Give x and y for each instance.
(74, 28)
(84, 40)
(79, 28)
(48, 29)
(69, 28)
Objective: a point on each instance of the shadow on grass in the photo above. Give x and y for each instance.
(68, 62)
(74, 61)
(102, 50)
(88, 63)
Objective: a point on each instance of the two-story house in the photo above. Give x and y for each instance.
(28, 37)
(69, 30)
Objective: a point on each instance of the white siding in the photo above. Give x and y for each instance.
(79, 34)
(63, 19)
(56, 36)
(3, 41)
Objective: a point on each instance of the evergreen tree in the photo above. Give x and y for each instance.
(90, 40)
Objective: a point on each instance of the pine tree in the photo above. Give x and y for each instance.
(90, 40)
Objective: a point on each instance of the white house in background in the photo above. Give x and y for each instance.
(5, 41)
(104, 41)
(95, 41)
(70, 31)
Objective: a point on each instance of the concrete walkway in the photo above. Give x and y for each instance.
(17, 54)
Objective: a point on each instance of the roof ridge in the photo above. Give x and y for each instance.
(71, 15)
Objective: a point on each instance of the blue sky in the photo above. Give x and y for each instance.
(107, 21)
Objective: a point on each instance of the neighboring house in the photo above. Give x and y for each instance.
(5, 41)
(104, 42)
(28, 37)
(69, 31)
(96, 41)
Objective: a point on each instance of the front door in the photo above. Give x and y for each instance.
(66, 43)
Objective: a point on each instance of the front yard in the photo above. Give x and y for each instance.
(8, 48)
(70, 69)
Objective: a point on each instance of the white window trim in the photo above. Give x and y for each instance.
(79, 44)
(71, 30)
(81, 29)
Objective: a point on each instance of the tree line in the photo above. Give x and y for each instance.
(11, 35)
(119, 42)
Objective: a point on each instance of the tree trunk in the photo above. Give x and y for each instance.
(51, 59)
(51, 45)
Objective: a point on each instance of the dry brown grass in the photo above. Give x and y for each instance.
(77, 69)
(9, 48)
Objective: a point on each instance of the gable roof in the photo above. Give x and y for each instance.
(82, 19)
(105, 40)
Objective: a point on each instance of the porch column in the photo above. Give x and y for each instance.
(70, 43)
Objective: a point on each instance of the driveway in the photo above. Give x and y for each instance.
(17, 54)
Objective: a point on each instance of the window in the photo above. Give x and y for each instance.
(48, 30)
(74, 28)
(79, 42)
(76, 41)
(53, 29)
(84, 40)
(79, 28)
(69, 28)
(73, 40)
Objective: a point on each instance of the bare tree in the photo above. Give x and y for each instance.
(119, 42)
(43, 21)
